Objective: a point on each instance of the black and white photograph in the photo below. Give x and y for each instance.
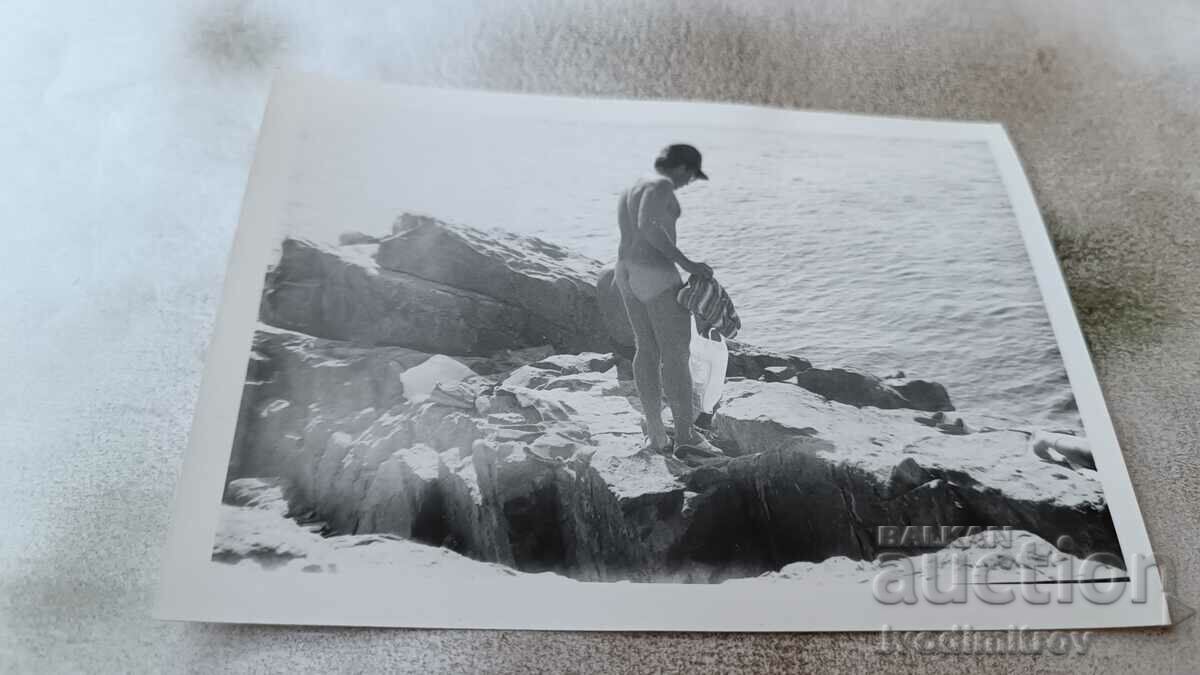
(617, 348)
(600, 336)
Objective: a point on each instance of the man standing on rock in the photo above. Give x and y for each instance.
(648, 280)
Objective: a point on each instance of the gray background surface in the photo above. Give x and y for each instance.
(119, 224)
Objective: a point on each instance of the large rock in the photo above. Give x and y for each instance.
(401, 497)
(612, 312)
(861, 389)
(545, 472)
(750, 362)
(292, 377)
(923, 395)
(342, 294)
(817, 479)
(554, 286)
(619, 508)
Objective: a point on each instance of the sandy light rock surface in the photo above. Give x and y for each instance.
(128, 137)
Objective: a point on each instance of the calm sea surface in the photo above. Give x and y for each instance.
(877, 253)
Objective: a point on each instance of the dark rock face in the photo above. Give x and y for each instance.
(860, 389)
(555, 287)
(321, 292)
(612, 312)
(753, 363)
(924, 395)
(438, 288)
(824, 476)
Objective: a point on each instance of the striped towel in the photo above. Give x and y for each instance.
(714, 312)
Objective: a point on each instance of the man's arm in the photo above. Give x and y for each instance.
(652, 213)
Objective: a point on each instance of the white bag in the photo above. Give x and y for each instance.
(708, 361)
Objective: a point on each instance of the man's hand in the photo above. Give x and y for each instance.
(700, 269)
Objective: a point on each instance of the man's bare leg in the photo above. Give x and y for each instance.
(646, 370)
(673, 332)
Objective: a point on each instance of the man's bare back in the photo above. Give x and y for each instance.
(647, 213)
(650, 203)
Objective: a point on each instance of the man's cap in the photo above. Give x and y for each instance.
(682, 154)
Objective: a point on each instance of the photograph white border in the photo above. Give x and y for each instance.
(193, 587)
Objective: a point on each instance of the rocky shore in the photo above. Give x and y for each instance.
(458, 391)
